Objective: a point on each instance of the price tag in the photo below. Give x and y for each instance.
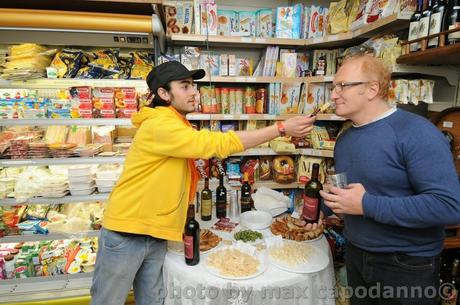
(447, 124)
(261, 40)
(244, 117)
(251, 79)
(317, 39)
(228, 117)
(246, 39)
(332, 37)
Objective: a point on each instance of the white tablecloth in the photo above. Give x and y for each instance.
(194, 285)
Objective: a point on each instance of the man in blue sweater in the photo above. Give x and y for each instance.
(403, 190)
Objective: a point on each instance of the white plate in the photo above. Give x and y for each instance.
(256, 220)
(317, 261)
(314, 239)
(177, 248)
(258, 255)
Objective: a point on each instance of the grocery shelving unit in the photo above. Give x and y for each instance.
(61, 161)
(51, 236)
(56, 200)
(65, 122)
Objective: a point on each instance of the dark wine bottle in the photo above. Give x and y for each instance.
(311, 197)
(424, 23)
(191, 238)
(452, 21)
(221, 199)
(414, 26)
(206, 201)
(245, 199)
(437, 14)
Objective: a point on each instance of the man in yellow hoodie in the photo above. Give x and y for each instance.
(149, 203)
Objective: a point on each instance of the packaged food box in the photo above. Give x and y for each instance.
(227, 22)
(208, 10)
(223, 67)
(314, 30)
(210, 63)
(178, 16)
(315, 97)
(247, 21)
(289, 98)
(264, 23)
(190, 57)
(288, 20)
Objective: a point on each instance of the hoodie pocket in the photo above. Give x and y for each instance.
(173, 208)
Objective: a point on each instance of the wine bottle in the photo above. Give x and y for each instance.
(452, 21)
(414, 26)
(451, 292)
(245, 199)
(206, 201)
(437, 14)
(191, 238)
(424, 23)
(311, 197)
(221, 199)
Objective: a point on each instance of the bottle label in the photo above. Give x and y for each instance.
(310, 208)
(456, 35)
(206, 207)
(188, 247)
(413, 34)
(245, 204)
(424, 27)
(435, 28)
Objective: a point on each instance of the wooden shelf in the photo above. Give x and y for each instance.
(48, 83)
(225, 40)
(257, 117)
(448, 55)
(392, 23)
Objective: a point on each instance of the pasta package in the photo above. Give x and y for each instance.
(338, 18)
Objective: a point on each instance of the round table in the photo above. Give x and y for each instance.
(194, 285)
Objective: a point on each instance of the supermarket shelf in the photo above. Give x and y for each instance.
(61, 161)
(65, 122)
(51, 236)
(245, 117)
(213, 183)
(447, 55)
(61, 200)
(225, 40)
(392, 23)
(316, 152)
(261, 152)
(450, 73)
(266, 79)
(45, 83)
(45, 288)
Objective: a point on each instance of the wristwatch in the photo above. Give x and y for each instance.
(281, 128)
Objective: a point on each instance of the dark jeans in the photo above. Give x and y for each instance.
(391, 278)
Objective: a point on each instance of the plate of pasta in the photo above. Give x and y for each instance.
(236, 262)
(297, 257)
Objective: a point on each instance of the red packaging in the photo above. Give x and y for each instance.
(216, 167)
(251, 167)
(202, 166)
(80, 93)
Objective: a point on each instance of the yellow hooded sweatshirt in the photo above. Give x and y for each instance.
(151, 196)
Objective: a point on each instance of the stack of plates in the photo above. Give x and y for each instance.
(55, 188)
(81, 180)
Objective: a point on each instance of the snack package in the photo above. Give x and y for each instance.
(316, 22)
(304, 169)
(142, 64)
(426, 90)
(228, 22)
(190, 57)
(178, 16)
(216, 167)
(251, 166)
(208, 10)
(315, 97)
(289, 98)
(247, 21)
(67, 63)
(264, 23)
(283, 169)
(103, 103)
(265, 168)
(414, 91)
(363, 11)
(289, 64)
(338, 18)
(125, 63)
(202, 166)
(125, 102)
(210, 63)
(288, 21)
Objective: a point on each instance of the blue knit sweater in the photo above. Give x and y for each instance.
(412, 188)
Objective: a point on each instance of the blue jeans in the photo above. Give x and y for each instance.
(125, 260)
(391, 278)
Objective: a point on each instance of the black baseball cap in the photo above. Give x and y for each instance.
(169, 71)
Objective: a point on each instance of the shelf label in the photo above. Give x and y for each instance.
(244, 117)
(240, 79)
(246, 39)
(269, 116)
(251, 79)
(198, 117)
(228, 117)
(21, 162)
(332, 37)
(447, 124)
(261, 40)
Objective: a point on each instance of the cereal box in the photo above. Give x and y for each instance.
(208, 10)
(190, 57)
(289, 64)
(289, 98)
(288, 20)
(210, 63)
(232, 65)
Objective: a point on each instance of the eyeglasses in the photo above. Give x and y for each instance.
(340, 86)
